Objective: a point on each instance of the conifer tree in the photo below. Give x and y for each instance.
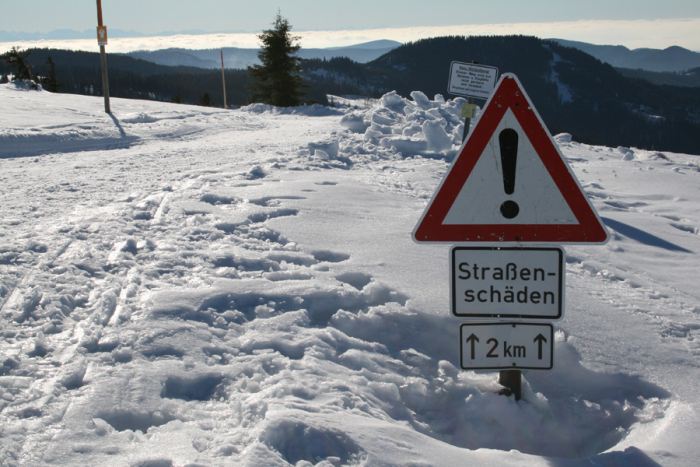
(50, 83)
(277, 79)
(16, 59)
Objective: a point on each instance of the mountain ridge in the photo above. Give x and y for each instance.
(573, 91)
(673, 58)
(240, 57)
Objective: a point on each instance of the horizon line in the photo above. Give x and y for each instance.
(632, 34)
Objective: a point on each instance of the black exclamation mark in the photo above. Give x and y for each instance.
(508, 140)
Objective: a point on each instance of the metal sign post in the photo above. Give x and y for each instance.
(468, 111)
(512, 383)
(102, 42)
(223, 79)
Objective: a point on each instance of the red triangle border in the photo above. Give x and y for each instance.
(509, 94)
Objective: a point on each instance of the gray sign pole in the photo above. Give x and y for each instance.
(467, 122)
(512, 383)
(223, 79)
(103, 61)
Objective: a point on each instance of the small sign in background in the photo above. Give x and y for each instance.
(471, 80)
(101, 35)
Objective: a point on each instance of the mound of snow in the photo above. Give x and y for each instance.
(327, 146)
(25, 85)
(355, 122)
(411, 127)
(627, 153)
(141, 117)
(563, 138)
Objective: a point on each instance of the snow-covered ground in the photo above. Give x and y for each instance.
(189, 286)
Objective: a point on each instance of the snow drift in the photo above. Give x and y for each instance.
(240, 288)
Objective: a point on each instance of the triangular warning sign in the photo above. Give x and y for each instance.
(510, 183)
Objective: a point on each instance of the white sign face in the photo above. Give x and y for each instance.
(538, 199)
(507, 282)
(498, 346)
(101, 35)
(471, 80)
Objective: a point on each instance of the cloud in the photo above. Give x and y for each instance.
(660, 33)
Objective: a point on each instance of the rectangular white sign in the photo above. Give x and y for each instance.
(471, 80)
(507, 282)
(101, 35)
(498, 346)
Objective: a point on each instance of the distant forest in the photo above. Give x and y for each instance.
(79, 73)
(573, 91)
(688, 78)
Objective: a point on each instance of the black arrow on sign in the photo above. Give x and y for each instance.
(472, 339)
(540, 339)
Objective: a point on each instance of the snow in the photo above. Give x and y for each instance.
(563, 91)
(313, 110)
(183, 285)
(408, 127)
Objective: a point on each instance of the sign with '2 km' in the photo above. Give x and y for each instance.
(507, 346)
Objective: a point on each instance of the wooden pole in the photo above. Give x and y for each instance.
(223, 79)
(103, 62)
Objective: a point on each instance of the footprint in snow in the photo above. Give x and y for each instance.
(330, 256)
(356, 279)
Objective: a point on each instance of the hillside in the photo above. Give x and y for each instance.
(670, 59)
(687, 78)
(79, 73)
(182, 285)
(574, 92)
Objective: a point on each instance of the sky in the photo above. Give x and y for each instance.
(635, 23)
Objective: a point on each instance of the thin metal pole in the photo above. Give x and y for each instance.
(103, 62)
(512, 383)
(467, 122)
(223, 79)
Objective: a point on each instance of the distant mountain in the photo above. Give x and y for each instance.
(361, 53)
(371, 45)
(670, 59)
(239, 58)
(234, 58)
